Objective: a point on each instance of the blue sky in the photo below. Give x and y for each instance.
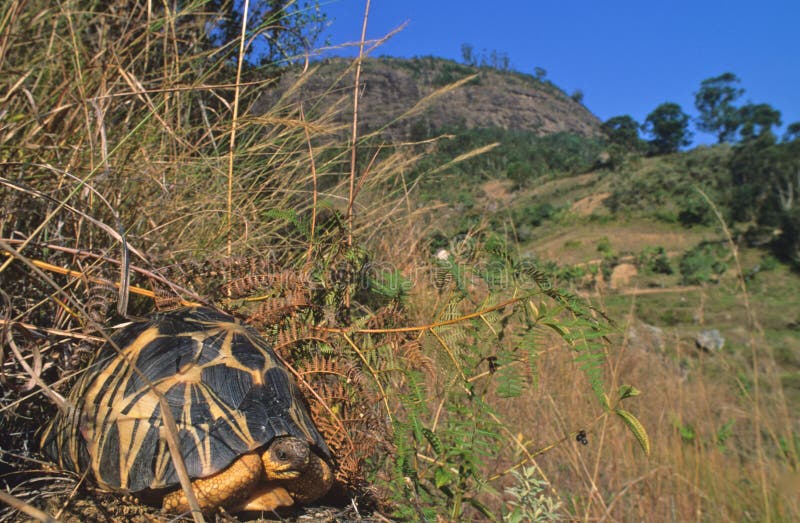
(626, 56)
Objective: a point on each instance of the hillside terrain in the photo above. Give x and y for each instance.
(389, 87)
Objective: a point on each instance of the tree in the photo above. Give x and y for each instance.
(758, 120)
(577, 95)
(766, 176)
(669, 127)
(468, 54)
(623, 131)
(280, 30)
(792, 132)
(714, 101)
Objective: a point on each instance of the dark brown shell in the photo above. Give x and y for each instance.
(227, 391)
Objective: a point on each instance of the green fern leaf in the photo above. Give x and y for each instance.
(289, 216)
(637, 428)
(434, 440)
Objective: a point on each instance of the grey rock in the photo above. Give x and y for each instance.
(709, 340)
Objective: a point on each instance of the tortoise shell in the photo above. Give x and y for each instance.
(227, 391)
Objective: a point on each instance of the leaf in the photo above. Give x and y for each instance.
(434, 440)
(390, 283)
(637, 428)
(534, 310)
(480, 507)
(509, 382)
(562, 331)
(441, 477)
(628, 391)
(289, 216)
(724, 433)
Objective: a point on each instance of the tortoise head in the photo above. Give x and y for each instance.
(286, 458)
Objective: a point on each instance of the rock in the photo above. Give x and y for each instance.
(392, 86)
(709, 340)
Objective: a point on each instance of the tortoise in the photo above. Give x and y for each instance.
(245, 434)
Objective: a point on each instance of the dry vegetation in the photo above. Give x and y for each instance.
(133, 176)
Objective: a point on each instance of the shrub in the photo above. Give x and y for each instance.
(654, 260)
(703, 263)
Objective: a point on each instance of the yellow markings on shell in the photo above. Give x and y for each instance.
(104, 401)
(102, 404)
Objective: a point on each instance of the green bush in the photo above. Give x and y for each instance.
(521, 156)
(695, 211)
(703, 263)
(533, 214)
(654, 260)
(666, 187)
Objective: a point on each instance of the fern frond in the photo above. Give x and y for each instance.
(637, 428)
(273, 310)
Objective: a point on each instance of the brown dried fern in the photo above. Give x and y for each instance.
(273, 310)
(359, 429)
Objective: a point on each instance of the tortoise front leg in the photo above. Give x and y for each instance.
(227, 488)
(313, 483)
(266, 499)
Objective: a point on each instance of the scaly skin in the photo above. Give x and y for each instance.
(285, 473)
(224, 489)
(313, 483)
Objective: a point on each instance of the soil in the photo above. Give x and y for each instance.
(91, 507)
(588, 205)
(622, 275)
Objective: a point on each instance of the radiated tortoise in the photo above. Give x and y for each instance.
(244, 431)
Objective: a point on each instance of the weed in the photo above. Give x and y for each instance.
(529, 502)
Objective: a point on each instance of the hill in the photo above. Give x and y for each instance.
(498, 99)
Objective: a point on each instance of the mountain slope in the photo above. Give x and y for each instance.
(390, 86)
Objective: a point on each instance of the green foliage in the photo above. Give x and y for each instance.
(390, 283)
(669, 127)
(528, 501)
(703, 264)
(604, 246)
(279, 31)
(714, 102)
(533, 214)
(724, 433)
(468, 54)
(522, 156)
(654, 260)
(666, 187)
(636, 427)
(792, 132)
(694, 210)
(468, 431)
(757, 120)
(786, 245)
(289, 216)
(627, 391)
(459, 446)
(449, 72)
(622, 131)
(765, 190)
(686, 431)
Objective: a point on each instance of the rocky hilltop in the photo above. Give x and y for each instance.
(391, 86)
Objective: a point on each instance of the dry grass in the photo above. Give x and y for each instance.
(116, 123)
(694, 475)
